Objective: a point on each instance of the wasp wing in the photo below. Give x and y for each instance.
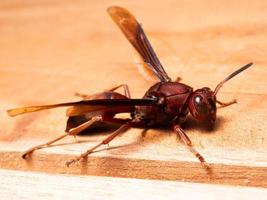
(98, 106)
(137, 37)
(85, 105)
(144, 69)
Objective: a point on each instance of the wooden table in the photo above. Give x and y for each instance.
(52, 49)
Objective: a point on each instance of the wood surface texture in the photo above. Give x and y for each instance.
(52, 49)
(25, 185)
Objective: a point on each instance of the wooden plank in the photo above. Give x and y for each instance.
(51, 49)
(24, 185)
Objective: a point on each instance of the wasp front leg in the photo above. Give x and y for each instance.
(186, 140)
(225, 104)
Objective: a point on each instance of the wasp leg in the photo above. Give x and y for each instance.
(178, 79)
(83, 96)
(222, 104)
(72, 132)
(144, 134)
(124, 86)
(122, 129)
(186, 140)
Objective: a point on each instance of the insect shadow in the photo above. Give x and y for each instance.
(192, 124)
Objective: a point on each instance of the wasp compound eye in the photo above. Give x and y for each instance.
(198, 99)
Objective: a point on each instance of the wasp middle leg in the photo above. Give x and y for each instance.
(107, 140)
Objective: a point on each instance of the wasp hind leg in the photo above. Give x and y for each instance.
(71, 132)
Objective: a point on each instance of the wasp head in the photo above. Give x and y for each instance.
(202, 102)
(202, 105)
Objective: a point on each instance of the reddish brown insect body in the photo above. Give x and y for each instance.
(172, 105)
(166, 103)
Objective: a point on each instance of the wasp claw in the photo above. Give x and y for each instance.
(25, 155)
(68, 163)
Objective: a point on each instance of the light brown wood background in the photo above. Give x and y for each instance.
(51, 49)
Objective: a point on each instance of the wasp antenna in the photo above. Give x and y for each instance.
(218, 87)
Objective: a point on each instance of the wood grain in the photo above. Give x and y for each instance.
(51, 49)
(15, 185)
